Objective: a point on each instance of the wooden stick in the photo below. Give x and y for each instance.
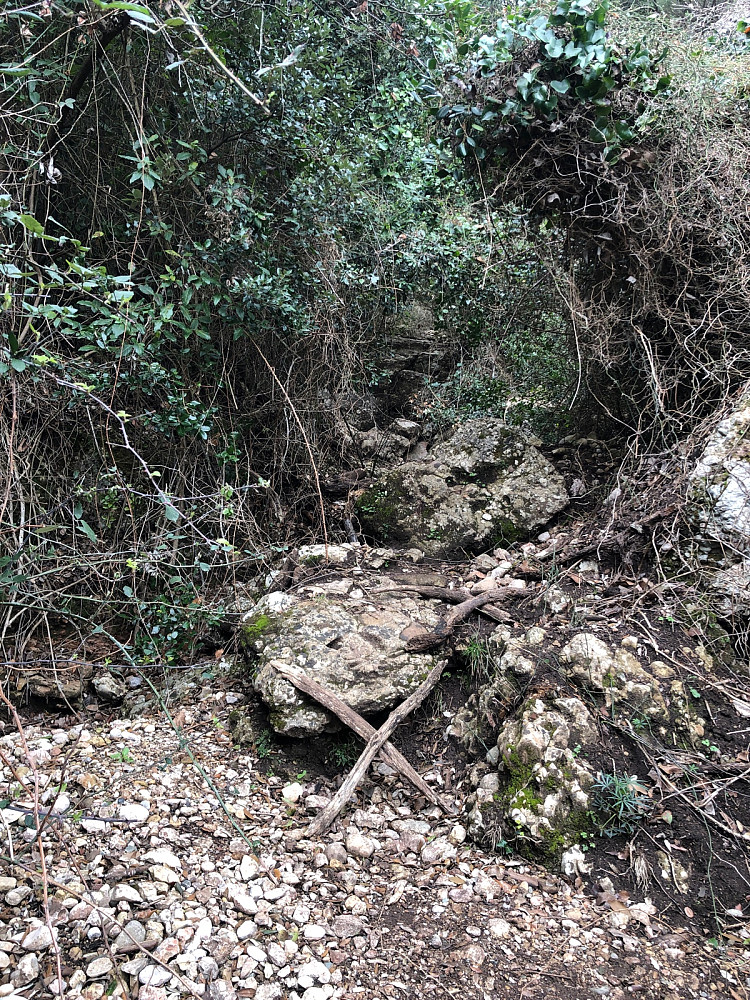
(456, 596)
(327, 815)
(444, 629)
(361, 727)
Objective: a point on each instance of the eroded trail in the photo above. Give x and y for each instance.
(170, 872)
(175, 850)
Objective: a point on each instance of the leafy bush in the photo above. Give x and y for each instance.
(635, 167)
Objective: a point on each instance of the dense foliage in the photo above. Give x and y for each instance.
(216, 220)
(643, 170)
(208, 217)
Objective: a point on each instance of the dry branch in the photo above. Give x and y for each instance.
(326, 816)
(325, 697)
(466, 604)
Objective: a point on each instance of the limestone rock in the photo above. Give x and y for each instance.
(332, 555)
(616, 674)
(27, 970)
(489, 482)
(542, 788)
(720, 501)
(39, 938)
(354, 648)
(109, 688)
(512, 662)
(573, 862)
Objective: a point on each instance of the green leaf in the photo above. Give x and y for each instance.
(560, 86)
(171, 513)
(30, 223)
(87, 530)
(122, 5)
(18, 365)
(174, 22)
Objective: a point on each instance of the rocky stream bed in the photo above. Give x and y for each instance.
(586, 758)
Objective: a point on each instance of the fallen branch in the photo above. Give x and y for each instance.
(444, 629)
(325, 697)
(459, 596)
(327, 815)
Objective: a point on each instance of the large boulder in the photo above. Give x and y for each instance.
(488, 484)
(353, 645)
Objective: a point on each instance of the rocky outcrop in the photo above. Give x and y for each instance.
(486, 485)
(720, 501)
(534, 787)
(540, 791)
(349, 643)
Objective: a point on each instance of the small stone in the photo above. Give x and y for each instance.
(134, 966)
(167, 949)
(293, 793)
(209, 968)
(7, 883)
(269, 991)
(474, 931)
(16, 896)
(499, 928)
(94, 825)
(475, 955)
(247, 929)
(160, 873)
(347, 926)
(278, 893)
(133, 931)
(457, 834)
(94, 991)
(316, 802)
(154, 975)
(276, 954)
(440, 849)
(38, 939)
(27, 970)
(133, 812)
(101, 966)
(573, 862)
(123, 892)
(221, 990)
(336, 852)
(163, 856)
(249, 868)
(311, 972)
(242, 901)
(359, 846)
(316, 993)
(314, 932)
